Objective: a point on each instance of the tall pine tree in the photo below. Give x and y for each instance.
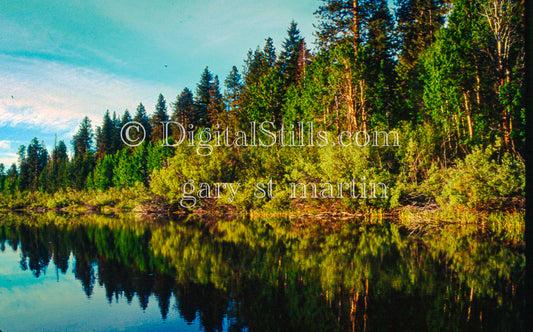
(105, 137)
(216, 112)
(183, 108)
(203, 98)
(232, 95)
(83, 161)
(290, 54)
(159, 116)
(142, 118)
(417, 23)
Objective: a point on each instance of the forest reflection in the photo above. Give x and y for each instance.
(271, 275)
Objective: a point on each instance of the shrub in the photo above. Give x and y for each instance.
(478, 181)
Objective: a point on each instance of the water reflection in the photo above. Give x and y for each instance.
(239, 275)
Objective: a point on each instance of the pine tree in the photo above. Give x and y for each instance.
(342, 31)
(380, 74)
(339, 22)
(203, 98)
(130, 165)
(59, 167)
(12, 180)
(304, 59)
(105, 137)
(462, 90)
(259, 62)
(263, 91)
(159, 116)
(102, 175)
(32, 165)
(156, 157)
(312, 100)
(122, 174)
(215, 110)
(270, 52)
(126, 117)
(82, 140)
(184, 108)
(142, 118)
(2, 177)
(83, 161)
(24, 171)
(117, 141)
(232, 96)
(417, 23)
(290, 54)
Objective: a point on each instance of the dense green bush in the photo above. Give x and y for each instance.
(480, 180)
(285, 166)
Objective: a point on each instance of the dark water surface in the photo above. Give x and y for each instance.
(109, 273)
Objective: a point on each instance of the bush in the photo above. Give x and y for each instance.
(284, 165)
(478, 181)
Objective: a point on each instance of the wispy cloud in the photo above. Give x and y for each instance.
(54, 96)
(8, 158)
(5, 145)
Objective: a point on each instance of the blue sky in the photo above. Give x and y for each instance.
(62, 60)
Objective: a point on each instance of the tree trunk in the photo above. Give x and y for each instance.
(468, 116)
(355, 27)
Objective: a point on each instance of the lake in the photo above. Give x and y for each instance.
(98, 272)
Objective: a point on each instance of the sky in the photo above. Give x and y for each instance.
(62, 60)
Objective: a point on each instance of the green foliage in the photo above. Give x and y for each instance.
(184, 108)
(216, 111)
(290, 55)
(64, 198)
(479, 181)
(232, 96)
(418, 22)
(118, 198)
(59, 168)
(129, 167)
(203, 99)
(284, 165)
(142, 118)
(83, 140)
(32, 163)
(102, 176)
(448, 90)
(108, 137)
(159, 116)
(188, 164)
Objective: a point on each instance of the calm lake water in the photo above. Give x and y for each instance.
(119, 273)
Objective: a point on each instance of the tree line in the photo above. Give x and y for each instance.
(451, 68)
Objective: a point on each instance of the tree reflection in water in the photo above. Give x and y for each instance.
(269, 275)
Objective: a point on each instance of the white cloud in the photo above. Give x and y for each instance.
(53, 96)
(7, 154)
(4, 145)
(8, 158)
